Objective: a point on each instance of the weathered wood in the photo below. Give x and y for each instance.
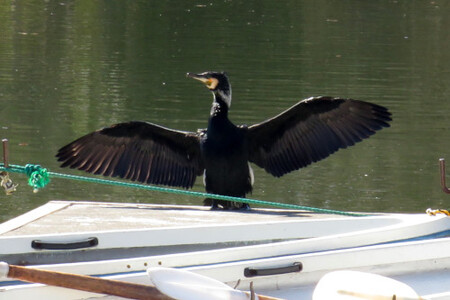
(87, 283)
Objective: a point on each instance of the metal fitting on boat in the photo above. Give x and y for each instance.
(7, 183)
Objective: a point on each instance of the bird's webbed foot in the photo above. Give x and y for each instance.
(242, 207)
(225, 205)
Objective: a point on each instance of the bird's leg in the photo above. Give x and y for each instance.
(245, 206)
(225, 205)
(240, 206)
(211, 202)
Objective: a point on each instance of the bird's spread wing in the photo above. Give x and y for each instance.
(312, 130)
(138, 151)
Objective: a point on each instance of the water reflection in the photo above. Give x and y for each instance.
(67, 68)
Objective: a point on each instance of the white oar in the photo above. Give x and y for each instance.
(185, 285)
(353, 285)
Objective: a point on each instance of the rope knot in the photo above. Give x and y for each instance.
(37, 176)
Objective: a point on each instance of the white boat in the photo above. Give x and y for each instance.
(122, 240)
(423, 265)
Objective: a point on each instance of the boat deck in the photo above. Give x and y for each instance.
(70, 216)
(62, 231)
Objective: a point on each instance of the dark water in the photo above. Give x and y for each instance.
(70, 67)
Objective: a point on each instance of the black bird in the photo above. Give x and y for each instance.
(305, 133)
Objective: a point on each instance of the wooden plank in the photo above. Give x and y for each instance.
(83, 283)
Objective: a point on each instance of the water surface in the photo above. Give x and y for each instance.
(70, 67)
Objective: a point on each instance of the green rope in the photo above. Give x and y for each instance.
(39, 177)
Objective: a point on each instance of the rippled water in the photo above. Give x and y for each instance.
(70, 67)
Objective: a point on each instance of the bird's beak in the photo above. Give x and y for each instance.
(211, 83)
(199, 77)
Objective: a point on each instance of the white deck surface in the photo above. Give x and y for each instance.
(68, 216)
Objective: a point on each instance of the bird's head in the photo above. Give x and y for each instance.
(217, 83)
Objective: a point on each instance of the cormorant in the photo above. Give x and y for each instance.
(307, 132)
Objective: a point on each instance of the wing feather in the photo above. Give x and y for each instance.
(311, 130)
(138, 151)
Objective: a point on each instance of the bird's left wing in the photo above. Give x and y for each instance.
(138, 151)
(312, 130)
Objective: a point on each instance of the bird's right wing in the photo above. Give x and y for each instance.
(138, 151)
